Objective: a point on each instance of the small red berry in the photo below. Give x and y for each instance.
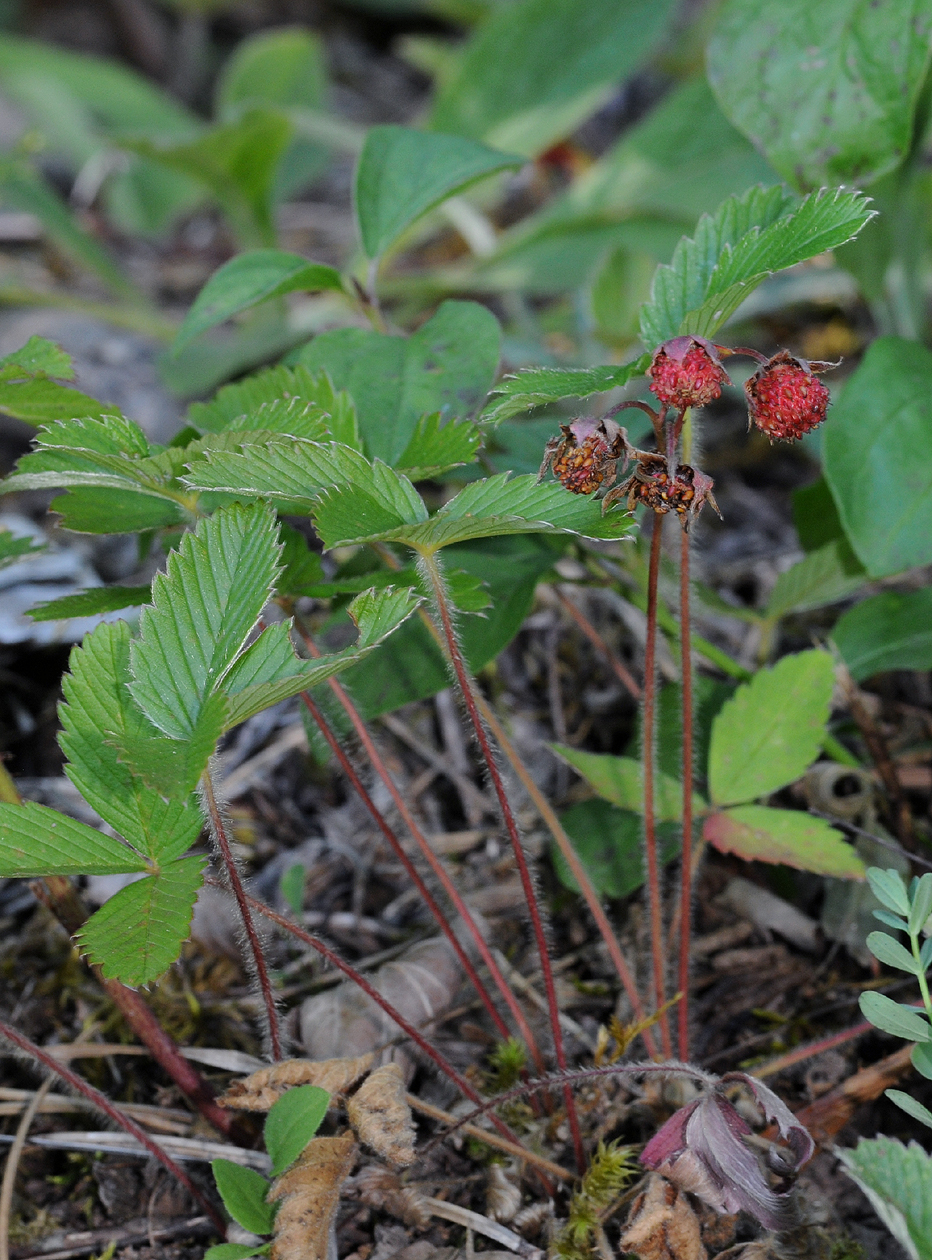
(786, 399)
(686, 372)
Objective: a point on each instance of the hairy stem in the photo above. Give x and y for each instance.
(398, 849)
(434, 862)
(686, 874)
(112, 1112)
(218, 827)
(650, 825)
(434, 576)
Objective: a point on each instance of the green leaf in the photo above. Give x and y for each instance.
(291, 886)
(620, 780)
(747, 239)
(825, 576)
(100, 727)
(435, 448)
(891, 920)
(13, 548)
(204, 607)
(816, 516)
(95, 600)
(894, 1018)
(887, 631)
(39, 400)
(292, 1122)
(447, 366)
(36, 840)
(891, 952)
(301, 567)
(771, 730)
(138, 933)
(537, 386)
(537, 68)
(884, 500)
(610, 845)
(251, 278)
(236, 1251)
(403, 173)
(898, 1181)
(759, 834)
(827, 93)
(243, 1191)
(889, 889)
(910, 1105)
(235, 404)
(97, 509)
(37, 355)
(921, 904)
(921, 1059)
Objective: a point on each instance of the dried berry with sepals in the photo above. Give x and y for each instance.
(701, 1148)
(687, 372)
(785, 397)
(651, 484)
(584, 458)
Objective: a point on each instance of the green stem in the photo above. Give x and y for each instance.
(921, 975)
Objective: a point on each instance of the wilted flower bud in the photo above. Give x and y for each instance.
(687, 372)
(785, 398)
(586, 455)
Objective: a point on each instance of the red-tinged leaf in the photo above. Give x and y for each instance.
(759, 834)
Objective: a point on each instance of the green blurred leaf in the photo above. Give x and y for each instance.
(243, 1191)
(921, 1059)
(137, 934)
(788, 837)
(921, 897)
(891, 952)
(292, 1122)
(620, 781)
(97, 599)
(910, 1105)
(894, 1018)
(816, 516)
(888, 631)
(826, 92)
(537, 68)
(97, 509)
(825, 576)
(772, 728)
(236, 1251)
(250, 278)
(610, 845)
(889, 889)
(36, 840)
(14, 548)
(301, 567)
(897, 1180)
(538, 386)
(403, 173)
(884, 499)
(447, 366)
(37, 355)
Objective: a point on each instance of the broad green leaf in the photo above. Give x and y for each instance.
(14, 548)
(921, 1059)
(894, 1018)
(301, 567)
(96, 509)
(897, 1180)
(97, 599)
(537, 68)
(138, 933)
(891, 952)
(291, 416)
(435, 448)
(236, 1251)
(173, 767)
(771, 730)
(891, 920)
(884, 499)
(744, 241)
(610, 845)
(888, 631)
(889, 889)
(403, 173)
(620, 780)
(921, 908)
(536, 387)
(251, 278)
(825, 576)
(826, 92)
(912, 1106)
(292, 1122)
(36, 840)
(447, 366)
(103, 432)
(204, 607)
(243, 1191)
(39, 400)
(234, 405)
(816, 516)
(100, 725)
(786, 836)
(37, 355)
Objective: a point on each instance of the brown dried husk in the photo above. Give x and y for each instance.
(382, 1188)
(310, 1192)
(259, 1091)
(662, 1226)
(381, 1116)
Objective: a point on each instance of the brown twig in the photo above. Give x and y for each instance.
(621, 670)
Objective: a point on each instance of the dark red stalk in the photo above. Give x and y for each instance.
(439, 1061)
(113, 1112)
(434, 862)
(624, 675)
(435, 576)
(650, 826)
(414, 875)
(686, 875)
(218, 827)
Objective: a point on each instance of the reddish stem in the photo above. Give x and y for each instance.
(621, 671)
(396, 846)
(435, 576)
(434, 862)
(113, 1112)
(226, 852)
(686, 864)
(650, 828)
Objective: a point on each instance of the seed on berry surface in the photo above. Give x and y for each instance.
(687, 372)
(785, 397)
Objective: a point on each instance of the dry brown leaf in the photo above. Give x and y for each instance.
(310, 1192)
(382, 1188)
(263, 1088)
(662, 1226)
(502, 1197)
(381, 1116)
